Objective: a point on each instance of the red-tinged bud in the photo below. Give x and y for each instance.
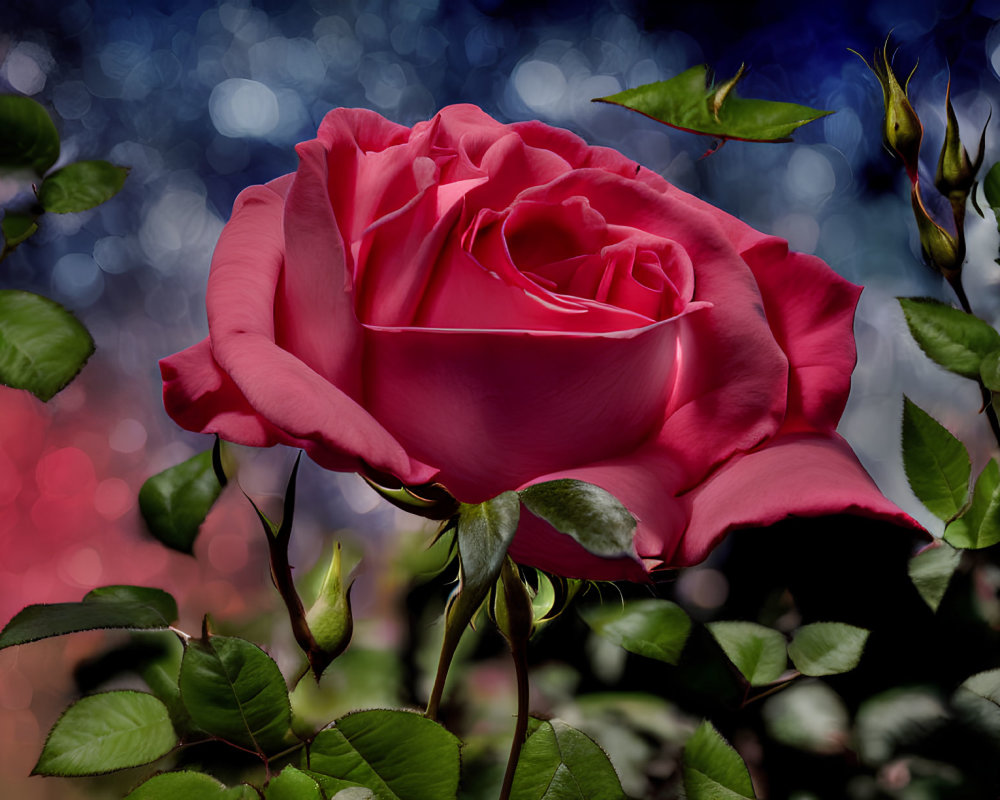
(901, 128)
(956, 172)
(942, 250)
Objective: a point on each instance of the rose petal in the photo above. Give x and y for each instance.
(315, 289)
(805, 475)
(200, 397)
(810, 309)
(494, 409)
(733, 379)
(282, 389)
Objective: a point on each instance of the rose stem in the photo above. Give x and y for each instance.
(520, 623)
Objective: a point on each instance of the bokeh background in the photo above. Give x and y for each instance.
(201, 99)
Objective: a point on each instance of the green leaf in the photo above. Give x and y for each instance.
(592, 516)
(931, 570)
(712, 769)
(560, 763)
(42, 345)
(293, 784)
(936, 463)
(128, 607)
(979, 526)
(232, 689)
(176, 501)
(950, 337)
(16, 228)
(991, 187)
(81, 185)
(652, 628)
(28, 137)
(336, 789)
(189, 786)
(688, 102)
(757, 652)
(989, 371)
(399, 755)
(107, 732)
(484, 532)
(809, 716)
(827, 648)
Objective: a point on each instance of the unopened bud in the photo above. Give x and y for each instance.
(956, 172)
(901, 128)
(942, 251)
(330, 620)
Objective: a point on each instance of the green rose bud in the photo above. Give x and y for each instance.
(956, 172)
(942, 250)
(330, 621)
(901, 128)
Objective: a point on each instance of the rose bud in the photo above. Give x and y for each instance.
(901, 128)
(330, 620)
(956, 172)
(485, 306)
(941, 250)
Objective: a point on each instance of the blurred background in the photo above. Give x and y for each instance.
(201, 99)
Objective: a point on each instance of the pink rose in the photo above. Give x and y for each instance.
(491, 306)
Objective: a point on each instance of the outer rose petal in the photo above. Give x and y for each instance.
(201, 397)
(806, 475)
(283, 391)
(810, 309)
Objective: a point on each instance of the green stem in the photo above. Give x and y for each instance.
(520, 656)
(516, 621)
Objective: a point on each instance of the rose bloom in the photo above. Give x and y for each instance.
(490, 306)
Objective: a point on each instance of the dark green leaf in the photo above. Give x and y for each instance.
(175, 502)
(989, 371)
(292, 784)
(827, 648)
(81, 185)
(588, 513)
(42, 345)
(16, 228)
(689, 103)
(977, 701)
(951, 338)
(712, 769)
(188, 785)
(399, 755)
(560, 763)
(28, 137)
(979, 526)
(652, 628)
(107, 732)
(484, 533)
(232, 689)
(991, 186)
(128, 607)
(931, 570)
(937, 464)
(757, 652)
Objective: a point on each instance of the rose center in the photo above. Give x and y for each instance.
(569, 249)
